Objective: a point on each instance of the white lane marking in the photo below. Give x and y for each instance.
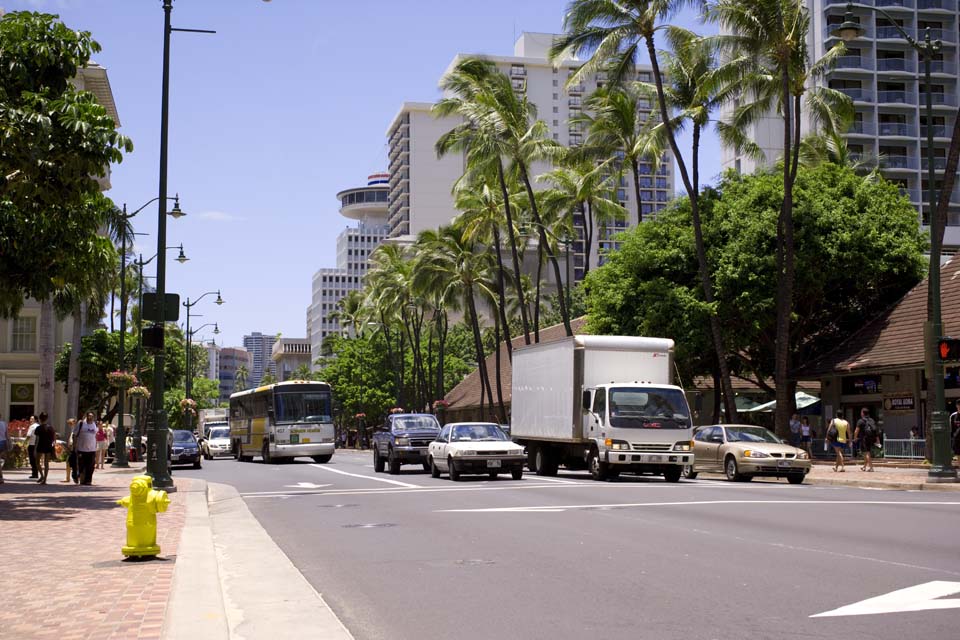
(305, 485)
(918, 598)
(626, 505)
(558, 480)
(359, 475)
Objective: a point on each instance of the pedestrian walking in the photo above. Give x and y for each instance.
(111, 440)
(4, 443)
(867, 434)
(806, 435)
(101, 445)
(46, 439)
(795, 430)
(32, 446)
(837, 436)
(85, 443)
(71, 452)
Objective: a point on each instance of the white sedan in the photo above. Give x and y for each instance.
(475, 447)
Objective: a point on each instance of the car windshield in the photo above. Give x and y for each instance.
(750, 434)
(477, 433)
(219, 433)
(416, 423)
(302, 406)
(182, 436)
(649, 409)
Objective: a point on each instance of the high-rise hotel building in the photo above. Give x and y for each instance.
(883, 75)
(420, 183)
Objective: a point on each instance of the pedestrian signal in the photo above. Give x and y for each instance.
(949, 349)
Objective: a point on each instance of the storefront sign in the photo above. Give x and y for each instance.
(898, 403)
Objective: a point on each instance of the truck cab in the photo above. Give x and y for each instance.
(637, 427)
(404, 438)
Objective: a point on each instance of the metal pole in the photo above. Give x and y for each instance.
(941, 469)
(187, 385)
(157, 466)
(120, 446)
(138, 427)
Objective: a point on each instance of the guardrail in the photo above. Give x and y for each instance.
(890, 449)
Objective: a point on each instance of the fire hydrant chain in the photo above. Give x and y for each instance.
(143, 504)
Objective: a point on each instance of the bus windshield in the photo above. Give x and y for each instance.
(302, 406)
(649, 408)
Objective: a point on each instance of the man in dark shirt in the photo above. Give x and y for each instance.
(46, 439)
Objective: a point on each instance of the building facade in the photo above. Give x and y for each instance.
(213, 359)
(231, 359)
(420, 183)
(288, 355)
(368, 206)
(260, 347)
(883, 76)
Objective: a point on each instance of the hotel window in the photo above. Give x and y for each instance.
(24, 339)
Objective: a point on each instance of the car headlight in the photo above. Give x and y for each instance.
(466, 452)
(752, 453)
(402, 442)
(617, 445)
(803, 455)
(686, 445)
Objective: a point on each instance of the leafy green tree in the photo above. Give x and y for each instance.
(267, 378)
(302, 373)
(243, 374)
(859, 249)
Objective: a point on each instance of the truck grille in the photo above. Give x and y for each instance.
(419, 443)
(650, 446)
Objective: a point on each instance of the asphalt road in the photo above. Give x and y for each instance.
(412, 557)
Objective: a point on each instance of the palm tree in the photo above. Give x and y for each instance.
(614, 33)
(351, 312)
(767, 55)
(243, 374)
(499, 124)
(454, 262)
(388, 288)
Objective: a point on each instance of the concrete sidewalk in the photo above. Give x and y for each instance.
(884, 477)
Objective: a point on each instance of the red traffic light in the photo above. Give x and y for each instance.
(949, 349)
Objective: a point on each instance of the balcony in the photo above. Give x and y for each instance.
(518, 72)
(943, 66)
(912, 194)
(940, 99)
(897, 129)
(857, 95)
(861, 128)
(939, 131)
(888, 32)
(575, 89)
(897, 97)
(896, 64)
(854, 63)
(574, 102)
(894, 4)
(937, 5)
(898, 162)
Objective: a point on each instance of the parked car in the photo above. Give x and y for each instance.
(184, 449)
(475, 447)
(217, 443)
(404, 439)
(742, 452)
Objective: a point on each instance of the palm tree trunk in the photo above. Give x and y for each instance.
(785, 269)
(564, 313)
(112, 298)
(481, 358)
(635, 166)
(515, 256)
(588, 228)
(501, 293)
(73, 375)
(949, 178)
(536, 306)
(501, 411)
(442, 330)
(693, 193)
(47, 355)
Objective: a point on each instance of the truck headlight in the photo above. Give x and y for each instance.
(752, 453)
(683, 446)
(402, 442)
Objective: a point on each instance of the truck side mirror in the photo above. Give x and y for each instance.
(585, 402)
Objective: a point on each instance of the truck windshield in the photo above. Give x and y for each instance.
(415, 423)
(631, 407)
(302, 406)
(218, 433)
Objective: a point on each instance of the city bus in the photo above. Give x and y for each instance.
(283, 421)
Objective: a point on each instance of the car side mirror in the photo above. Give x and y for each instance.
(717, 439)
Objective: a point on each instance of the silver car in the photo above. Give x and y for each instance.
(742, 451)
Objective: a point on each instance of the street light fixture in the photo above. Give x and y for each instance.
(941, 469)
(188, 386)
(120, 452)
(182, 257)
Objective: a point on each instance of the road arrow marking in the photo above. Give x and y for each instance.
(919, 598)
(306, 485)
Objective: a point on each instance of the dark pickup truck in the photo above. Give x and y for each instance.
(404, 439)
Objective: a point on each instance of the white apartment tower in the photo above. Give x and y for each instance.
(420, 183)
(881, 72)
(260, 347)
(368, 206)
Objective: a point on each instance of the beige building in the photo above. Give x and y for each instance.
(19, 336)
(288, 355)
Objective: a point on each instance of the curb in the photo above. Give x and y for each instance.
(883, 484)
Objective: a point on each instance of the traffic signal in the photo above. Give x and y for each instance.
(948, 349)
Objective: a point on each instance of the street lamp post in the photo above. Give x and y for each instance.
(120, 452)
(189, 379)
(941, 469)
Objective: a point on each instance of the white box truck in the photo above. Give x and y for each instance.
(604, 403)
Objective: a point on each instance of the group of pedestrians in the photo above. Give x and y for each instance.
(87, 444)
(864, 435)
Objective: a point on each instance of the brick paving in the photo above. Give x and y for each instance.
(60, 563)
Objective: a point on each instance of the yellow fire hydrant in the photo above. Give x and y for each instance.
(143, 504)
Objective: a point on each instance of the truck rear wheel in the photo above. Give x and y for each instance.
(672, 474)
(599, 470)
(545, 462)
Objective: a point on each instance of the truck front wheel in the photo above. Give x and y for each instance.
(599, 470)
(672, 474)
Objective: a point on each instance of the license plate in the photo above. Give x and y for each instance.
(656, 458)
(493, 463)
(294, 438)
(783, 463)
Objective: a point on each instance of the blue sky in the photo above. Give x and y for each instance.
(285, 106)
